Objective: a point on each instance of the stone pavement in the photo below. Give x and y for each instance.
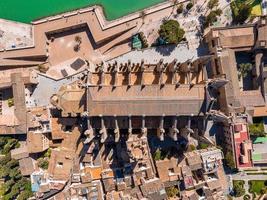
(46, 88)
(153, 55)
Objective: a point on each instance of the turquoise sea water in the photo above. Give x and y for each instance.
(29, 10)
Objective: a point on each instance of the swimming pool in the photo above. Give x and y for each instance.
(29, 10)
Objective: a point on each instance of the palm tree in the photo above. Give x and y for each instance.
(78, 39)
(76, 47)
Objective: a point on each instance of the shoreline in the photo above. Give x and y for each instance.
(108, 16)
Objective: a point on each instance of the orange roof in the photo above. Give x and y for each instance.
(60, 164)
(94, 171)
(107, 173)
(37, 142)
(57, 133)
(260, 111)
(57, 123)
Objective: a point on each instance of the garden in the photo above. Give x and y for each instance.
(258, 186)
(238, 186)
(245, 9)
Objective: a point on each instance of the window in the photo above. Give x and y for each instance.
(171, 171)
(60, 164)
(216, 62)
(212, 43)
(67, 128)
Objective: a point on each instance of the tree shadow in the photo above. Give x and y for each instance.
(202, 49)
(165, 50)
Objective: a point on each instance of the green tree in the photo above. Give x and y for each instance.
(256, 129)
(157, 155)
(3, 141)
(43, 163)
(14, 184)
(25, 195)
(238, 186)
(15, 173)
(14, 191)
(212, 4)
(189, 6)
(24, 184)
(171, 32)
(12, 163)
(4, 171)
(230, 160)
(10, 102)
(5, 159)
(172, 191)
(191, 147)
(240, 11)
(8, 197)
(8, 185)
(212, 17)
(11, 144)
(48, 153)
(239, 190)
(244, 69)
(203, 145)
(180, 9)
(218, 12)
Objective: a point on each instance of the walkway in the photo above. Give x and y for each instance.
(168, 54)
(243, 176)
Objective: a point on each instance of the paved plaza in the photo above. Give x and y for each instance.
(15, 35)
(46, 88)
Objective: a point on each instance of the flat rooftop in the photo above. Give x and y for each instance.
(150, 100)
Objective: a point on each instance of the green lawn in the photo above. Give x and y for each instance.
(256, 186)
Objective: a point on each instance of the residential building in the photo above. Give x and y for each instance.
(244, 96)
